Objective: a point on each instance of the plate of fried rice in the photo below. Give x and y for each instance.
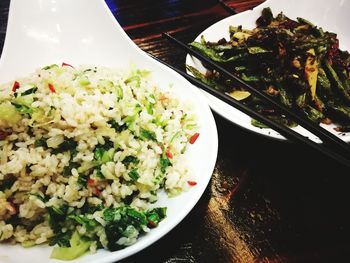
(97, 160)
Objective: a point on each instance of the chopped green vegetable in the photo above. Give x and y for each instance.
(40, 143)
(41, 197)
(134, 175)
(136, 76)
(61, 239)
(29, 91)
(149, 135)
(90, 209)
(155, 215)
(67, 171)
(122, 221)
(98, 172)
(82, 180)
(78, 246)
(126, 221)
(89, 224)
(68, 145)
(130, 159)
(7, 182)
(23, 109)
(116, 126)
(84, 82)
(164, 161)
(57, 214)
(119, 92)
(104, 153)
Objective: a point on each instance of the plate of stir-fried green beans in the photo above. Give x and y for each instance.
(295, 61)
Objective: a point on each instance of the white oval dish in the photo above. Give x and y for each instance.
(332, 16)
(85, 32)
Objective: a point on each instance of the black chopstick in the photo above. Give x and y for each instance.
(227, 7)
(283, 130)
(328, 138)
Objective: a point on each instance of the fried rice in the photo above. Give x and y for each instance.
(84, 152)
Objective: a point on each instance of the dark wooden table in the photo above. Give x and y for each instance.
(268, 201)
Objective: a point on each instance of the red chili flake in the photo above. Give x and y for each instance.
(169, 154)
(90, 182)
(192, 183)
(96, 191)
(193, 138)
(15, 86)
(66, 65)
(151, 223)
(51, 87)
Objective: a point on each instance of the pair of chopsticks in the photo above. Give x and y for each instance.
(332, 145)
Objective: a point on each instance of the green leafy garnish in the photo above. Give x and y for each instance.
(82, 180)
(40, 143)
(23, 109)
(104, 152)
(116, 126)
(67, 171)
(29, 91)
(61, 239)
(149, 135)
(125, 221)
(68, 145)
(134, 175)
(90, 209)
(130, 159)
(164, 163)
(155, 215)
(57, 214)
(89, 224)
(7, 182)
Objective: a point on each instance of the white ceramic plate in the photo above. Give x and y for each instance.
(85, 32)
(331, 15)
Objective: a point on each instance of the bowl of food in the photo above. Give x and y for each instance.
(103, 150)
(294, 55)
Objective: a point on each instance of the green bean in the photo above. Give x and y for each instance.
(212, 54)
(273, 57)
(209, 81)
(338, 85)
(341, 111)
(324, 85)
(285, 97)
